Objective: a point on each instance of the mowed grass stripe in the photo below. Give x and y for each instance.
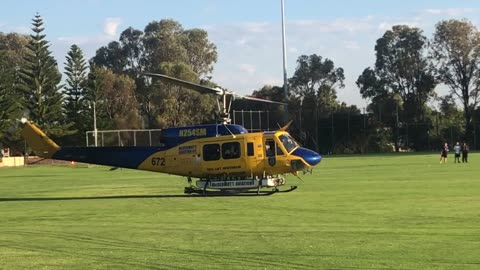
(356, 212)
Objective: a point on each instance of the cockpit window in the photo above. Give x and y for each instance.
(288, 142)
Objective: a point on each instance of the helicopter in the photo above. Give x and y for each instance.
(223, 157)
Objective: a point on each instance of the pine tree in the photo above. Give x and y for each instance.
(9, 101)
(41, 84)
(12, 49)
(76, 102)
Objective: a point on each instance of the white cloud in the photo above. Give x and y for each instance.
(4, 27)
(261, 27)
(85, 40)
(110, 26)
(450, 12)
(241, 41)
(351, 45)
(247, 68)
(384, 26)
(292, 50)
(273, 81)
(337, 25)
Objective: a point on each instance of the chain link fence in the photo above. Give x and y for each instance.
(124, 137)
(340, 133)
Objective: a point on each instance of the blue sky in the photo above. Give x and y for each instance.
(247, 33)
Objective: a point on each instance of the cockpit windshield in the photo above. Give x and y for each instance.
(288, 142)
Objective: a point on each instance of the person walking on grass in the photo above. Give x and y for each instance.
(443, 154)
(457, 150)
(465, 150)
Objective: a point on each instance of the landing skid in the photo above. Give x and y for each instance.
(205, 192)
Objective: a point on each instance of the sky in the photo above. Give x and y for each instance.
(247, 33)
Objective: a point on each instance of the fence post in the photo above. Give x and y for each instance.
(451, 134)
(251, 121)
(134, 138)
(348, 126)
(243, 119)
(260, 120)
(474, 135)
(268, 120)
(407, 136)
(333, 134)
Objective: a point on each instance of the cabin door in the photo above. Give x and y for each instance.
(254, 156)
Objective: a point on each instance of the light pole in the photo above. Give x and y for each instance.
(284, 46)
(397, 127)
(95, 124)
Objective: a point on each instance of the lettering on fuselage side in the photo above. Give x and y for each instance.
(223, 168)
(231, 167)
(192, 132)
(219, 184)
(189, 149)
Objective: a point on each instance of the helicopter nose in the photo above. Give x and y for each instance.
(311, 157)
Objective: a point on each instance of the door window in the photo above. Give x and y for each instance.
(250, 150)
(211, 152)
(231, 150)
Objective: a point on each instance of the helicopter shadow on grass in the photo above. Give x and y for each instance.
(117, 197)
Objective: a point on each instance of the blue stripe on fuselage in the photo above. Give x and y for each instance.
(171, 137)
(125, 157)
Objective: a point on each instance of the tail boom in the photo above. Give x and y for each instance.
(41, 144)
(124, 157)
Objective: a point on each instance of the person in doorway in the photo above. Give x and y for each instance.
(269, 150)
(443, 154)
(465, 150)
(457, 150)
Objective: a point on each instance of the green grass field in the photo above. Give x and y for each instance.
(361, 212)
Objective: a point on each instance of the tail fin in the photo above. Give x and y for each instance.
(41, 144)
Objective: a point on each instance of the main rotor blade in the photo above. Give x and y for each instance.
(189, 85)
(205, 89)
(260, 100)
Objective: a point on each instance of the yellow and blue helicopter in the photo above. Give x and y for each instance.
(223, 157)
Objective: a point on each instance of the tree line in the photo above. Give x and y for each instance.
(399, 88)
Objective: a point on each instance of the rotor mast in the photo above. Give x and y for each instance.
(224, 103)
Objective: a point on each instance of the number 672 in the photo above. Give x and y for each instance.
(158, 161)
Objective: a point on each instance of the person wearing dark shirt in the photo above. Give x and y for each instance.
(465, 150)
(443, 154)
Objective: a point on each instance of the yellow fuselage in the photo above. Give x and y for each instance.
(189, 159)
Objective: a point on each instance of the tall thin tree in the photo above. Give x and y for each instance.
(76, 102)
(41, 84)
